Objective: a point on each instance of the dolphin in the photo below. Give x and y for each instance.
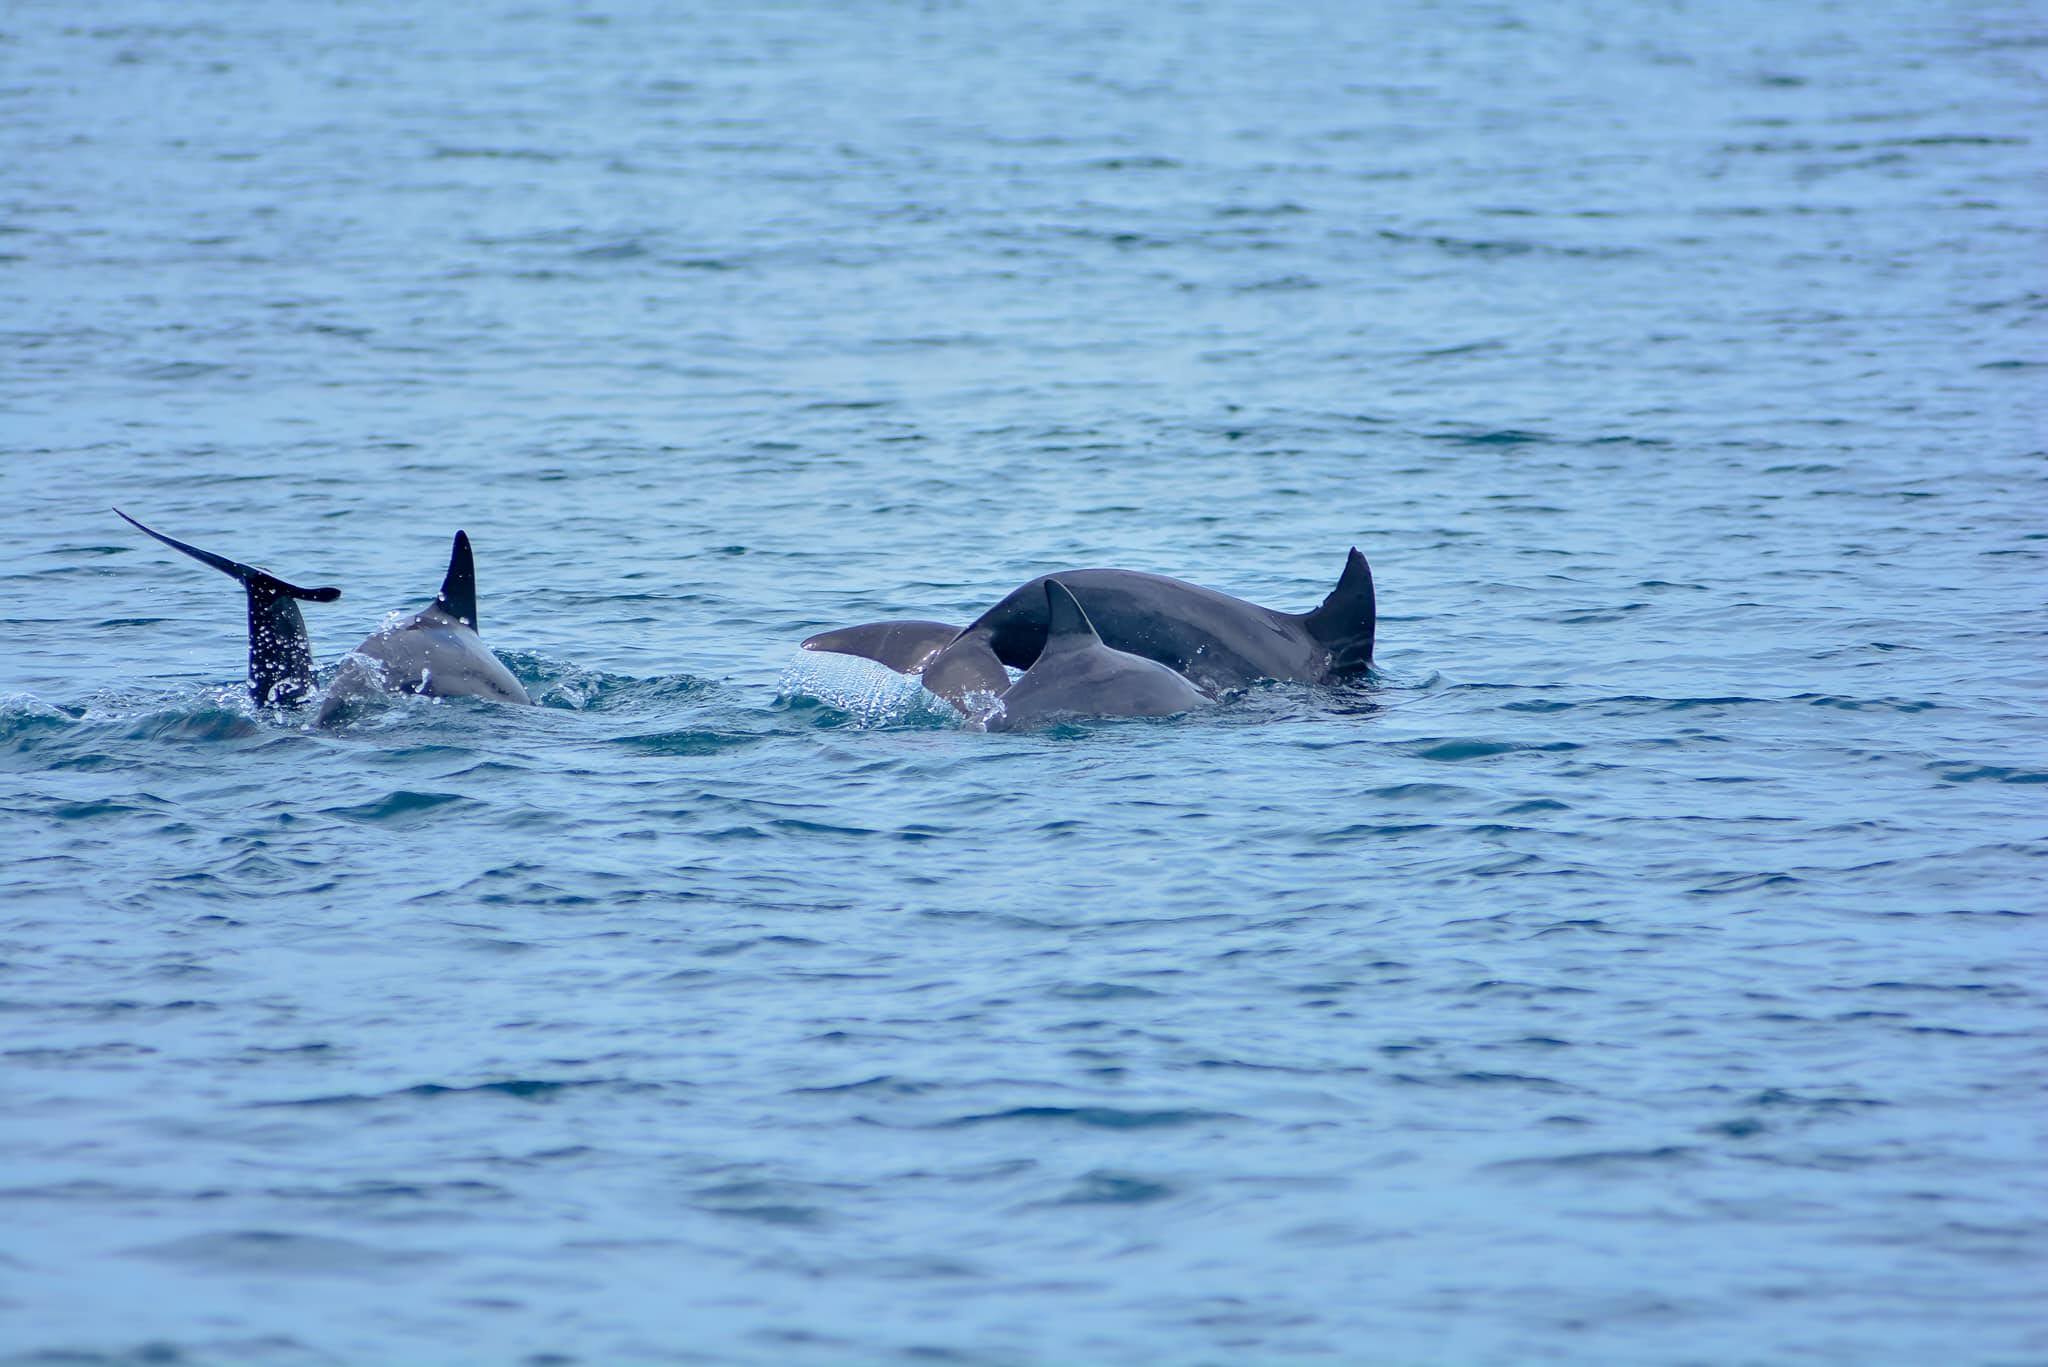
(1219, 642)
(436, 651)
(1076, 675)
(280, 654)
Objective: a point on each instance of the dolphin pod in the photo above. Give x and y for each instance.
(1090, 643)
(1212, 642)
(436, 651)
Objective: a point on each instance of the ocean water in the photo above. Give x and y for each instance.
(1645, 966)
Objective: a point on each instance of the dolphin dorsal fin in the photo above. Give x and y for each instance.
(1065, 623)
(457, 597)
(1348, 619)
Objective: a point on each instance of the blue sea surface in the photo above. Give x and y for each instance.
(1645, 966)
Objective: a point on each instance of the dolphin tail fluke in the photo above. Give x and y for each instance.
(457, 597)
(905, 646)
(1347, 620)
(280, 654)
(1065, 622)
(257, 580)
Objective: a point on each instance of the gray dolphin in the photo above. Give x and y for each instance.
(1076, 675)
(436, 651)
(280, 655)
(1219, 642)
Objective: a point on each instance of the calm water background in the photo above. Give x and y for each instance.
(1647, 968)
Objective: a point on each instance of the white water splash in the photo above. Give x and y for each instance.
(866, 690)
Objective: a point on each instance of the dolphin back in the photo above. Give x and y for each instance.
(1076, 675)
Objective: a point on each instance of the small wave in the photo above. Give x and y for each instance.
(884, 1084)
(447, 152)
(403, 807)
(1951, 771)
(385, 711)
(1085, 992)
(1503, 247)
(1132, 163)
(1444, 353)
(180, 370)
(1102, 1188)
(1416, 792)
(1603, 1160)
(87, 811)
(1290, 283)
(1503, 436)
(559, 684)
(1744, 882)
(275, 1350)
(25, 719)
(1901, 705)
(1453, 750)
(271, 1252)
(202, 724)
(1474, 1077)
(1094, 1117)
(782, 1213)
(519, 1089)
(203, 716)
(688, 742)
(612, 251)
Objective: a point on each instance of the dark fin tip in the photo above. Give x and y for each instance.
(259, 582)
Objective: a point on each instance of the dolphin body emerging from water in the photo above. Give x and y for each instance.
(1217, 642)
(1076, 675)
(436, 651)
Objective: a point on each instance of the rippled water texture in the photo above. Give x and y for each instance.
(1646, 968)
